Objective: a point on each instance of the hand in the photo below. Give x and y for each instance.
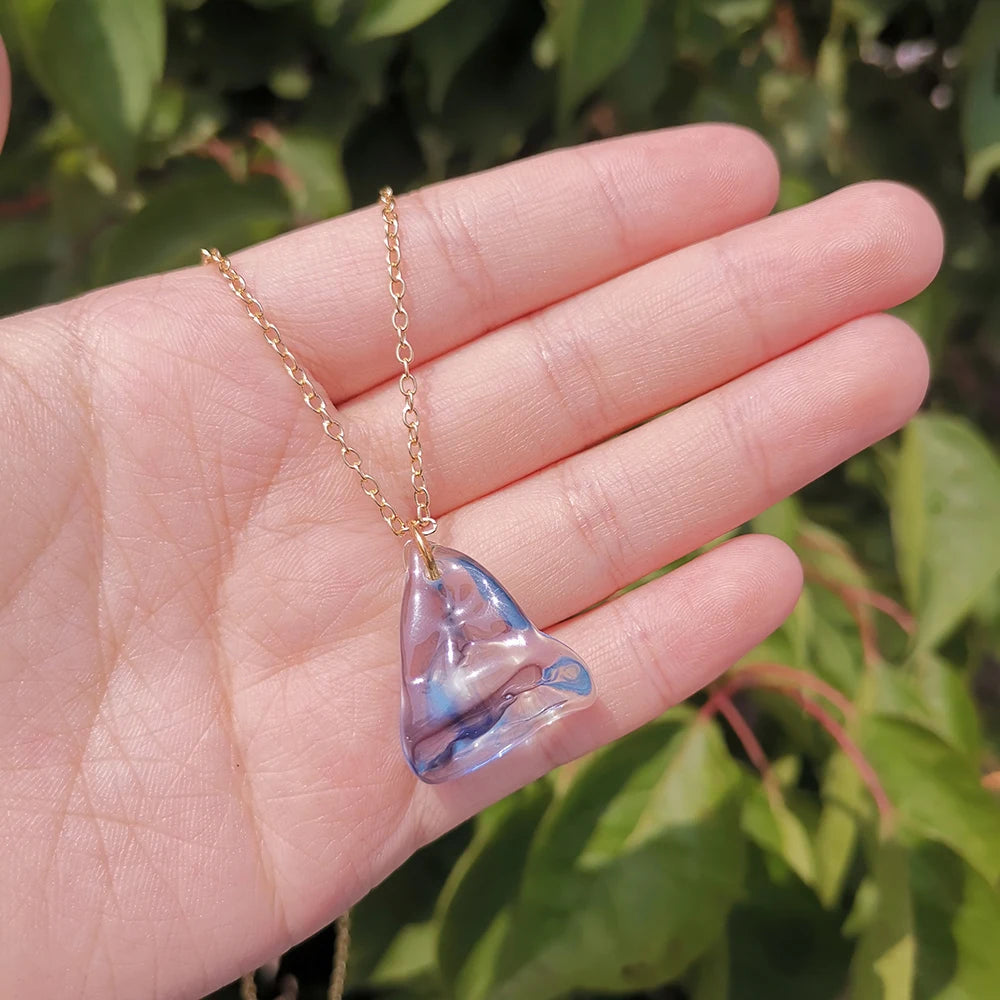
(199, 680)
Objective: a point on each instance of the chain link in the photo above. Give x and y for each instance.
(317, 403)
(404, 355)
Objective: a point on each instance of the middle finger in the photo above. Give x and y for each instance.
(606, 359)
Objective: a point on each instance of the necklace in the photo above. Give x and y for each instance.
(478, 677)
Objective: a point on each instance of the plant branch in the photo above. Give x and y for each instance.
(791, 683)
(779, 677)
(745, 734)
(858, 610)
(885, 604)
(25, 205)
(855, 755)
(850, 594)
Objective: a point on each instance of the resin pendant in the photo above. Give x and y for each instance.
(478, 677)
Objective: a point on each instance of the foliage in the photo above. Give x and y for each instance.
(821, 823)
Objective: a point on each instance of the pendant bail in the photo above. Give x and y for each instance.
(433, 573)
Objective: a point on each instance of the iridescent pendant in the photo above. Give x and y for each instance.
(478, 677)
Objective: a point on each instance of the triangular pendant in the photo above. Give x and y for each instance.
(478, 677)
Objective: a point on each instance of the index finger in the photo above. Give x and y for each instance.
(483, 250)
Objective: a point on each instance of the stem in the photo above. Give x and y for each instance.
(850, 594)
(782, 678)
(223, 153)
(746, 736)
(793, 59)
(858, 611)
(820, 543)
(791, 676)
(857, 599)
(272, 168)
(885, 604)
(778, 677)
(854, 753)
(23, 206)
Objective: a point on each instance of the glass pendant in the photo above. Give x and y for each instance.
(478, 677)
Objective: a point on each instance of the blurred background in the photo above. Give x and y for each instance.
(825, 822)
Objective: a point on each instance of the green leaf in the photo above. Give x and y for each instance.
(24, 286)
(474, 906)
(601, 809)
(592, 39)
(410, 956)
(395, 907)
(327, 12)
(313, 172)
(392, 17)
(782, 943)
(883, 964)
(698, 776)
(846, 805)
(936, 790)
(631, 879)
(710, 978)
(834, 648)
(99, 61)
(783, 520)
(638, 83)
(931, 314)
(868, 16)
(27, 240)
(445, 42)
(291, 82)
(738, 15)
(981, 97)
(932, 693)
(864, 906)
(945, 508)
(957, 920)
(491, 105)
(769, 821)
(204, 207)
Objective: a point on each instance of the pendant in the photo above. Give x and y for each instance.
(478, 677)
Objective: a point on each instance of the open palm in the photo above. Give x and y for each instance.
(199, 679)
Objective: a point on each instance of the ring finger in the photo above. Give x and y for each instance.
(578, 531)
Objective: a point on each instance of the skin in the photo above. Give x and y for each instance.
(199, 691)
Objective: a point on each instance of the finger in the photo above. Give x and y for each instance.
(612, 514)
(648, 650)
(592, 365)
(480, 251)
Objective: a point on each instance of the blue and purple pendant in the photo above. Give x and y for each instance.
(478, 677)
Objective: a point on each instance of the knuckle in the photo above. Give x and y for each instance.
(592, 509)
(566, 361)
(453, 232)
(606, 185)
(647, 651)
(740, 292)
(744, 447)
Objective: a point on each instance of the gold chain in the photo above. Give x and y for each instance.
(338, 975)
(423, 523)
(404, 355)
